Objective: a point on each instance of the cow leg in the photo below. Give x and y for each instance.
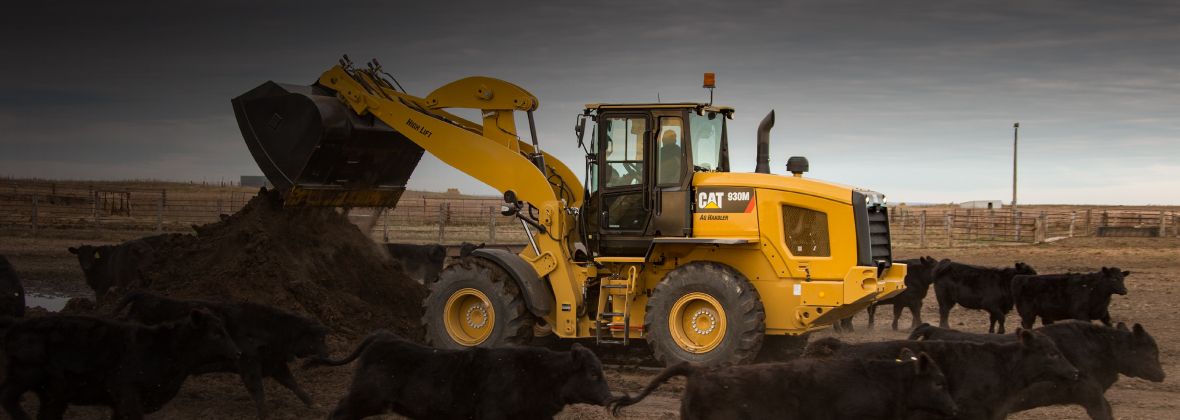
(997, 318)
(283, 375)
(1092, 398)
(944, 312)
(250, 372)
(916, 315)
(872, 310)
(1105, 319)
(1027, 320)
(896, 315)
(10, 399)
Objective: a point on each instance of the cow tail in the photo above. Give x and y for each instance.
(126, 300)
(921, 332)
(324, 361)
(679, 369)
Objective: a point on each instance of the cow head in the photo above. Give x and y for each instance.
(1041, 360)
(925, 272)
(585, 383)
(1115, 278)
(94, 263)
(1022, 268)
(1138, 355)
(203, 338)
(927, 390)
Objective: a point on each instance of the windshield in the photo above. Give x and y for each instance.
(706, 140)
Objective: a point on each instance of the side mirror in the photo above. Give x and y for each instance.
(580, 129)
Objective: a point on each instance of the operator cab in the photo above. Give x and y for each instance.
(640, 161)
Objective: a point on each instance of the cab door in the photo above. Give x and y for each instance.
(672, 179)
(624, 201)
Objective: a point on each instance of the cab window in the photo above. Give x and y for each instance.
(670, 150)
(806, 232)
(624, 151)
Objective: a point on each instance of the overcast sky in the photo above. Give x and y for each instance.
(915, 99)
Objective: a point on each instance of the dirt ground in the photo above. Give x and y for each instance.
(47, 268)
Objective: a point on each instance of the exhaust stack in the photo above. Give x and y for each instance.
(763, 166)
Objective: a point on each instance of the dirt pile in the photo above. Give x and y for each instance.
(312, 261)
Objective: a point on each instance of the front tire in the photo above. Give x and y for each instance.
(475, 303)
(707, 313)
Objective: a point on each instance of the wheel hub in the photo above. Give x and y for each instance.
(697, 322)
(469, 317)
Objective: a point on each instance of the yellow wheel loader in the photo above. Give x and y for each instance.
(662, 243)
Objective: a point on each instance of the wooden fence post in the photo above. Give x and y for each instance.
(1073, 216)
(1089, 224)
(443, 210)
(1018, 220)
(991, 219)
(492, 226)
(1163, 225)
(950, 221)
(160, 211)
(1040, 228)
(385, 225)
(1105, 219)
(34, 217)
(922, 230)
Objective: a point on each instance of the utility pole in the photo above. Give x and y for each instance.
(1015, 140)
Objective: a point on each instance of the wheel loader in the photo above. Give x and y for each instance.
(663, 242)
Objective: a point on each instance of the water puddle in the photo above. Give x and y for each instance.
(49, 302)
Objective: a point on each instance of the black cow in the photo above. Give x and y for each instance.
(1100, 353)
(395, 375)
(809, 389)
(419, 262)
(918, 278)
(133, 369)
(984, 378)
(267, 337)
(1055, 297)
(117, 266)
(976, 287)
(12, 294)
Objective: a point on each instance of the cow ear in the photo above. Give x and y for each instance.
(1122, 326)
(1126, 273)
(72, 250)
(1026, 337)
(924, 363)
(906, 355)
(1138, 330)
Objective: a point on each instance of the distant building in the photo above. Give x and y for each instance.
(255, 181)
(982, 204)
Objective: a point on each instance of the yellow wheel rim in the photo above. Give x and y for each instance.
(469, 317)
(697, 322)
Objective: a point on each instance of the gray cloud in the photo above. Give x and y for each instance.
(913, 98)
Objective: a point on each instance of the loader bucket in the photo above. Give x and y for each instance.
(318, 152)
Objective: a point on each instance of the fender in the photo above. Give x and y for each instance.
(537, 295)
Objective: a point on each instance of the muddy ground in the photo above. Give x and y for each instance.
(48, 269)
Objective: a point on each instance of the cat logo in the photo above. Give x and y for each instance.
(710, 200)
(725, 200)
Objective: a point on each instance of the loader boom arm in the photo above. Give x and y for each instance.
(491, 152)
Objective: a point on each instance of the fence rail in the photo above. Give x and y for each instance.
(37, 207)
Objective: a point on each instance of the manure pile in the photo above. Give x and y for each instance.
(307, 260)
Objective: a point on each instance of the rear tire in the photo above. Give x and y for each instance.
(707, 313)
(475, 303)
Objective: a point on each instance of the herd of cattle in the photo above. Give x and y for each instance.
(136, 361)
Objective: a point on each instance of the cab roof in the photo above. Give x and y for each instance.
(665, 105)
